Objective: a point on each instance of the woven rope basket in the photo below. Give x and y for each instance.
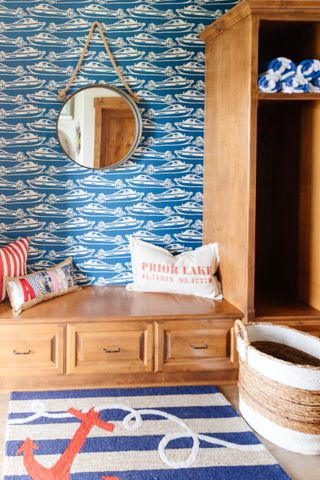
(279, 384)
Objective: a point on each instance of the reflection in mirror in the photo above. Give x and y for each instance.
(99, 127)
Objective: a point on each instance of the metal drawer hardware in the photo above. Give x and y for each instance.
(21, 353)
(199, 347)
(111, 350)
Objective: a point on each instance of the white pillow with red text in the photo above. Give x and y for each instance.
(155, 269)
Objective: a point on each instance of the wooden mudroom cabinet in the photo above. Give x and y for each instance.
(108, 336)
(262, 163)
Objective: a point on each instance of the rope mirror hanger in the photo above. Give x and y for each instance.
(62, 95)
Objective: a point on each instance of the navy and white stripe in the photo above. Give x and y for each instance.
(228, 448)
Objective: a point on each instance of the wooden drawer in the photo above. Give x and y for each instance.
(31, 350)
(195, 345)
(118, 347)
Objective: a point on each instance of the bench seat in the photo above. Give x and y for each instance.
(108, 336)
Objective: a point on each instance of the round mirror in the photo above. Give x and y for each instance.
(99, 127)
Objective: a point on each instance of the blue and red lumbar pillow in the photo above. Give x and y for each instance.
(28, 290)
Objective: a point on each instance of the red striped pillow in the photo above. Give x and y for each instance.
(13, 262)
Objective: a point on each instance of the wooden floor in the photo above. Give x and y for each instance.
(298, 467)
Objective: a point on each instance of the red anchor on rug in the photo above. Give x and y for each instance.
(110, 478)
(61, 470)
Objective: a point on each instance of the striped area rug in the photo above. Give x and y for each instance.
(158, 433)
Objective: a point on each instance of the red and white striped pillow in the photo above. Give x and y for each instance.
(13, 262)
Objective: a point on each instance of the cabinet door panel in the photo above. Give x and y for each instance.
(111, 348)
(31, 350)
(195, 345)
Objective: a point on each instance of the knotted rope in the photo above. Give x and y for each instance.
(62, 95)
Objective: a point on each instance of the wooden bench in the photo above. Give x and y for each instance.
(108, 336)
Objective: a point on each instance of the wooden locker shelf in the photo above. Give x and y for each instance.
(262, 162)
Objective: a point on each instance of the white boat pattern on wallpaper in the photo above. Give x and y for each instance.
(156, 195)
(9, 185)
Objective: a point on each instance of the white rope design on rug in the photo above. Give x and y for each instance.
(133, 421)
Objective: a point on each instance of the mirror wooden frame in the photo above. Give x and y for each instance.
(136, 115)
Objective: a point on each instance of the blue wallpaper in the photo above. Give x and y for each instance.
(156, 195)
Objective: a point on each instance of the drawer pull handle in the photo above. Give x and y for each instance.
(111, 350)
(200, 347)
(21, 353)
